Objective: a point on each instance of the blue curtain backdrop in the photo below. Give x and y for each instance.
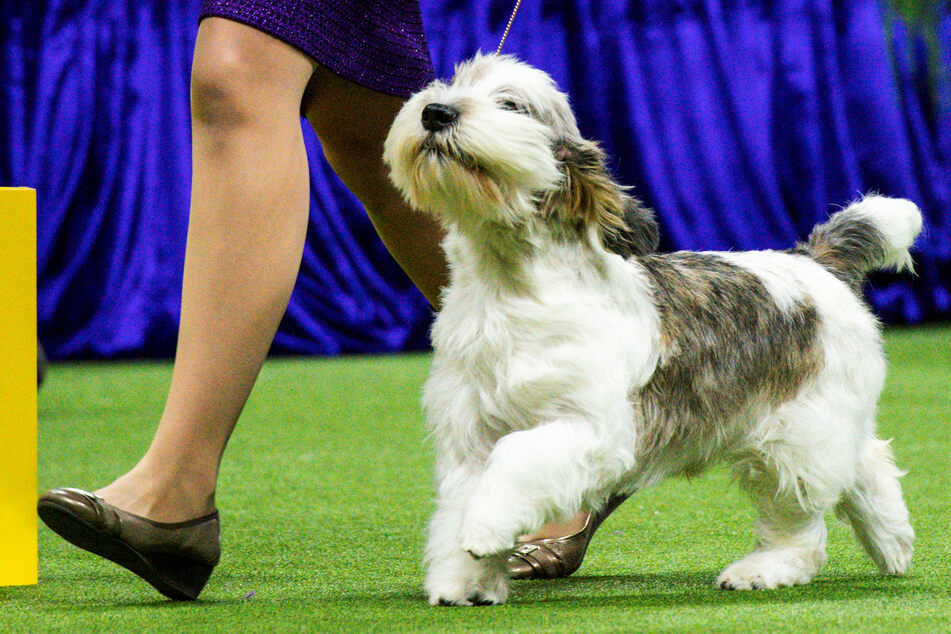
(743, 123)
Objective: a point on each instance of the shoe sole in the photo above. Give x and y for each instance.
(158, 570)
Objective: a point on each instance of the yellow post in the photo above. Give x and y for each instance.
(18, 546)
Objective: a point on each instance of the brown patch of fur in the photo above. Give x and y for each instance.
(727, 346)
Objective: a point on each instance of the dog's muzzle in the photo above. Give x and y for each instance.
(437, 116)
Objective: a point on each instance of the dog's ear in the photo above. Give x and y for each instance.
(641, 234)
(590, 198)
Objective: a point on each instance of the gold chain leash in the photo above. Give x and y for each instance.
(508, 26)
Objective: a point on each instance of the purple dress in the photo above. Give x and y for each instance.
(379, 44)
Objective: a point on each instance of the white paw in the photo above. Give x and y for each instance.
(769, 569)
(488, 586)
(893, 555)
(467, 597)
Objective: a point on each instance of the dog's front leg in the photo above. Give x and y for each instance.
(453, 576)
(537, 475)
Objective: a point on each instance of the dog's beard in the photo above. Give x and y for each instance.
(447, 181)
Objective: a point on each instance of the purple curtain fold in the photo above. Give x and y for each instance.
(742, 123)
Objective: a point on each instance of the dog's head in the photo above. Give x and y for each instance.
(499, 144)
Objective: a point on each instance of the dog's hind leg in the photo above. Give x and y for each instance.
(453, 576)
(876, 510)
(791, 539)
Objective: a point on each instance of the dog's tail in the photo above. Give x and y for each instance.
(871, 234)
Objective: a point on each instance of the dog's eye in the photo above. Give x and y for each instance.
(508, 104)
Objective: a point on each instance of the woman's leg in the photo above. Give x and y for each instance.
(246, 231)
(352, 122)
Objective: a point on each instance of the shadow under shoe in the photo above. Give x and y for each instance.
(556, 557)
(175, 558)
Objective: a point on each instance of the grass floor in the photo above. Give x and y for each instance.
(326, 489)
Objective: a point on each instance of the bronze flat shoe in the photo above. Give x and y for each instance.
(176, 558)
(556, 557)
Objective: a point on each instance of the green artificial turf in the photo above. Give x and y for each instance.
(326, 489)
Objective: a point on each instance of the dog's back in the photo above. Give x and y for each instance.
(732, 349)
(772, 361)
(743, 333)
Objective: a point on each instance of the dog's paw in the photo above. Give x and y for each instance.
(893, 554)
(765, 571)
(463, 580)
(491, 590)
(473, 598)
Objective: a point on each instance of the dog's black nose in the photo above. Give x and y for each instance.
(437, 116)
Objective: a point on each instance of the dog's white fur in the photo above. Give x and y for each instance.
(545, 341)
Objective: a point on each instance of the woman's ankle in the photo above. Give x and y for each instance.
(554, 530)
(160, 496)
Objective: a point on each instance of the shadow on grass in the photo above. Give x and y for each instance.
(665, 590)
(158, 603)
(696, 588)
(104, 591)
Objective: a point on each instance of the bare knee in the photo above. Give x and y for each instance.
(241, 76)
(220, 90)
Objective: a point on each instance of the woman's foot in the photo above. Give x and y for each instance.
(175, 558)
(161, 525)
(555, 530)
(557, 550)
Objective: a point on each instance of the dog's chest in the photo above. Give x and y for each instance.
(518, 363)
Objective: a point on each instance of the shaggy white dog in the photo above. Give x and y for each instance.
(564, 373)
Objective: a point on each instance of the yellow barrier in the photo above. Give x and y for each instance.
(18, 547)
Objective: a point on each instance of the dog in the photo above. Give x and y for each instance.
(564, 373)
